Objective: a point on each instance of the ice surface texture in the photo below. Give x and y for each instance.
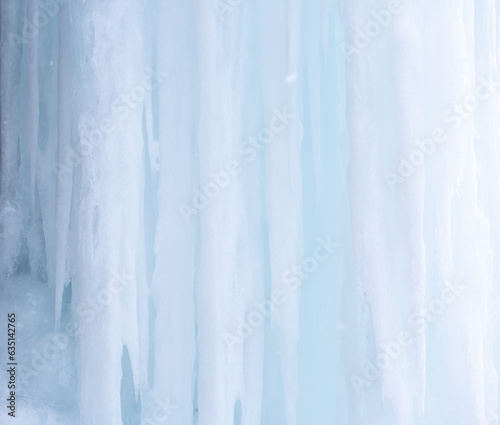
(251, 212)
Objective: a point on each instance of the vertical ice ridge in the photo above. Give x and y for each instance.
(454, 213)
(32, 97)
(47, 143)
(377, 254)
(283, 179)
(487, 136)
(325, 25)
(131, 168)
(215, 276)
(11, 209)
(406, 61)
(29, 111)
(223, 277)
(113, 268)
(64, 174)
(312, 33)
(246, 357)
(173, 281)
(94, 263)
(361, 127)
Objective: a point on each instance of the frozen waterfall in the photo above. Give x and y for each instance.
(250, 212)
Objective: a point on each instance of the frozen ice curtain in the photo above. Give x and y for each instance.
(249, 212)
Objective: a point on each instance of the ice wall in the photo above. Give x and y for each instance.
(240, 212)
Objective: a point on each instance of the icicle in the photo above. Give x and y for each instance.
(486, 146)
(110, 231)
(172, 290)
(368, 112)
(406, 63)
(11, 211)
(63, 168)
(454, 216)
(283, 173)
(29, 114)
(32, 96)
(313, 34)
